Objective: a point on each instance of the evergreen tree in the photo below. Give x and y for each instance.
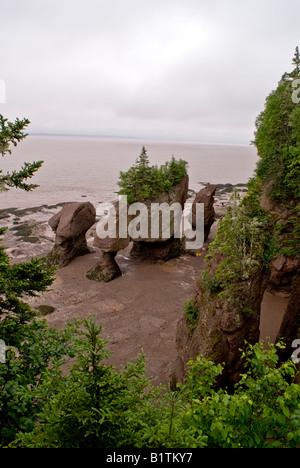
(29, 345)
(13, 133)
(296, 63)
(143, 181)
(19, 279)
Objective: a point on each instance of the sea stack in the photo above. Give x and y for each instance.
(70, 226)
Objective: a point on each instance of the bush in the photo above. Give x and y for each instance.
(94, 406)
(243, 242)
(143, 181)
(13, 133)
(36, 350)
(262, 412)
(190, 311)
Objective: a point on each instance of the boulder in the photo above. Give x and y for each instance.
(148, 248)
(70, 226)
(178, 194)
(283, 270)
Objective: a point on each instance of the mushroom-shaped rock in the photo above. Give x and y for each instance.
(160, 242)
(107, 268)
(70, 226)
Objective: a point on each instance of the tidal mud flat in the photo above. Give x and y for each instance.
(139, 311)
(29, 234)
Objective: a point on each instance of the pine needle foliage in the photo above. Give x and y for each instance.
(143, 181)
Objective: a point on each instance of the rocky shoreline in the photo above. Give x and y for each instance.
(139, 310)
(29, 234)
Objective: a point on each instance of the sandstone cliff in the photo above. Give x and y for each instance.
(244, 261)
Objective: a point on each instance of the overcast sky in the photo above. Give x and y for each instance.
(166, 69)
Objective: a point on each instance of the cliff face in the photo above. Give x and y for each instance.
(290, 327)
(224, 327)
(285, 267)
(229, 313)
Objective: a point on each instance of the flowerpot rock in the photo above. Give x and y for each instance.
(70, 226)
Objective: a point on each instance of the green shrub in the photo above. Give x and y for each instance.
(32, 351)
(191, 313)
(262, 411)
(277, 140)
(93, 405)
(13, 133)
(143, 181)
(210, 282)
(243, 243)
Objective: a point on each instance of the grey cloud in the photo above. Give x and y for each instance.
(175, 69)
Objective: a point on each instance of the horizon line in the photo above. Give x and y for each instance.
(157, 139)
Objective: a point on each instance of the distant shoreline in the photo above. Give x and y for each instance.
(223, 190)
(142, 139)
(89, 168)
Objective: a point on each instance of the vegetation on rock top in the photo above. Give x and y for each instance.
(143, 181)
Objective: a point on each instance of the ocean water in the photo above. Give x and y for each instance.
(88, 168)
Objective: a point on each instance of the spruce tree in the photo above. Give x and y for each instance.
(296, 63)
(29, 346)
(11, 133)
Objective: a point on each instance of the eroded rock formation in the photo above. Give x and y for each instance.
(70, 226)
(223, 326)
(205, 196)
(283, 270)
(290, 327)
(226, 321)
(107, 268)
(164, 245)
